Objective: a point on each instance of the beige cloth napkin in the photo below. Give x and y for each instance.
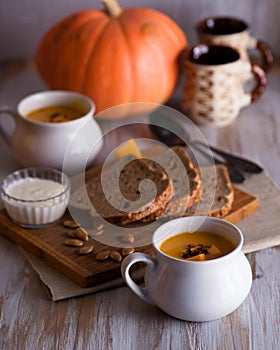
(260, 230)
(59, 287)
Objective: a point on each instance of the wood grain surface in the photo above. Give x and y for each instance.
(117, 319)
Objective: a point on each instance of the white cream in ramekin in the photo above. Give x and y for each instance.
(36, 196)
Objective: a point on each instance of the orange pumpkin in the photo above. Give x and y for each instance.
(114, 56)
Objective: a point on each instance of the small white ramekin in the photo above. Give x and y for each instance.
(36, 213)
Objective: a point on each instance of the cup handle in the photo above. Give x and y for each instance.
(264, 49)
(261, 79)
(3, 133)
(142, 292)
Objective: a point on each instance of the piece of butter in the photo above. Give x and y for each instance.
(128, 147)
(198, 257)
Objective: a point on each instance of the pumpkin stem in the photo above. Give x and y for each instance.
(112, 7)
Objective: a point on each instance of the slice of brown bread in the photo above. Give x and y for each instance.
(185, 178)
(127, 191)
(217, 193)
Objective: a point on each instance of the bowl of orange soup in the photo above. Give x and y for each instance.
(199, 272)
(51, 128)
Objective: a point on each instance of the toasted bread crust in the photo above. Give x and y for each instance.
(226, 196)
(193, 175)
(184, 197)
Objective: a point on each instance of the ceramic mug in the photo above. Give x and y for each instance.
(234, 32)
(38, 143)
(214, 90)
(193, 290)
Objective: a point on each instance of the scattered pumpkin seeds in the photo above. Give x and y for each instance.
(70, 224)
(81, 234)
(103, 255)
(86, 250)
(72, 242)
(96, 232)
(71, 234)
(128, 238)
(127, 251)
(116, 256)
(99, 227)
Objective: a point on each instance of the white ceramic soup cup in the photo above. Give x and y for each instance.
(36, 143)
(193, 290)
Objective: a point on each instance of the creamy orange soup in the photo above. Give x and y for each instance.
(56, 114)
(196, 246)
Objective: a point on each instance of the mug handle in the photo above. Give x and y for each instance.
(6, 136)
(264, 49)
(142, 292)
(260, 76)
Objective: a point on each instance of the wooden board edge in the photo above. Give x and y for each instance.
(249, 207)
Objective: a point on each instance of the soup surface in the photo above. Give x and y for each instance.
(196, 246)
(56, 114)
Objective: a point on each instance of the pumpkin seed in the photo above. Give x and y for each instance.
(127, 251)
(116, 256)
(96, 232)
(99, 227)
(81, 234)
(72, 242)
(103, 255)
(70, 224)
(86, 250)
(128, 238)
(71, 234)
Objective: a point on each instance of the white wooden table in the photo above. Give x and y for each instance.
(117, 319)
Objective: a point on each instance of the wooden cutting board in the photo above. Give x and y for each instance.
(48, 244)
